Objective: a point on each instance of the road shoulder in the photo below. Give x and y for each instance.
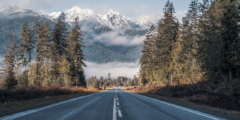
(228, 114)
(19, 106)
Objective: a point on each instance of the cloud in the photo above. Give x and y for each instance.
(114, 38)
(115, 68)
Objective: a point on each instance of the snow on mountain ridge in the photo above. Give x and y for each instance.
(83, 14)
(13, 10)
(112, 19)
(115, 20)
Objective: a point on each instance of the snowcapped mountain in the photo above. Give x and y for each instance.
(93, 25)
(15, 11)
(114, 20)
(83, 14)
(111, 19)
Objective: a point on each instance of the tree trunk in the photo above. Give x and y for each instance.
(37, 60)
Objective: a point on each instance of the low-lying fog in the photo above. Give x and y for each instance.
(115, 68)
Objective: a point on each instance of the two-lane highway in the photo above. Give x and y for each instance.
(114, 104)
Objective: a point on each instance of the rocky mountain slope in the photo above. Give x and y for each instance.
(93, 25)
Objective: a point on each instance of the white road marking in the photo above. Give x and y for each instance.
(114, 110)
(182, 108)
(119, 113)
(21, 114)
(117, 98)
(118, 103)
(69, 115)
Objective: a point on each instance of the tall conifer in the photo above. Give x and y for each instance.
(9, 63)
(76, 55)
(24, 49)
(167, 32)
(219, 39)
(147, 58)
(58, 47)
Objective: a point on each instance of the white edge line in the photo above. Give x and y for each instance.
(20, 114)
(119, 113)
(179, 107)
(114, 110)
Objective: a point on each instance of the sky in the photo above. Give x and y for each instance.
(128, 8)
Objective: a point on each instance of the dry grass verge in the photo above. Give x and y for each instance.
(33, 93)
(24, 99)
(224, 96)
(227, 114)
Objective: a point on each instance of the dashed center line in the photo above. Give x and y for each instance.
(119, 113)
(116, 109)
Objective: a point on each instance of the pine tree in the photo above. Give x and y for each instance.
(185, 63)
(218, 40)
(65, 71)
(37, 28)
(59, 38)
(31, 43)
(45, 42)
(45, 77)
(9, 63)
(167, 32)
(95, 83)
(135, 81)
(129, 82)
(24, 49)
(76, 55)
(147, 59)
(101, 82)
(59, 46)
(44, 48)
(32, 77)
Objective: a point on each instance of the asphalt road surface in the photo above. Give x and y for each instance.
(114, 104)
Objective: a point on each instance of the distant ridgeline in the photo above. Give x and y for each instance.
(14, 17)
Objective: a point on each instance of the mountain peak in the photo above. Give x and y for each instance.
(14, 10)
(74, 12)
(110, 11)
(76, 9)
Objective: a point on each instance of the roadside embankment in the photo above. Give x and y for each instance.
(222, 99)
(13, 101)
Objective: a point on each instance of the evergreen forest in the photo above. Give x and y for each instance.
(204, 45)
(58, 60)
(112, 82)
